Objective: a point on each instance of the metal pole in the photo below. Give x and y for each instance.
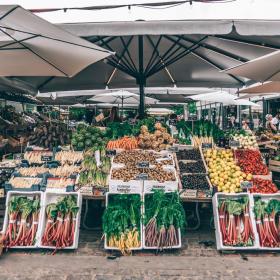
(264, 112)
(141, 78)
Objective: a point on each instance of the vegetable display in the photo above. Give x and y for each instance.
(36, 156)
(223, 171)
(50, 135)
(235, 222)
(251, 162)
(59, 231)
(89, 137)
(198, 141)
(263, 186)
(127, 143)
(191, 154)
(192, 166)
(69, 157)
(159, 140)
(267, 222)
(247, 141)
(59, 183)
(23, 213)
(121, 222)
(164, 218)
(195, 182)
(24, 182)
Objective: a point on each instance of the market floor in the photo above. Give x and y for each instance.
(198, 259)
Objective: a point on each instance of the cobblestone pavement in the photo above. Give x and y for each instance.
(90, 261)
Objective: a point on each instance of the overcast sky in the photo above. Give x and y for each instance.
(240, 9)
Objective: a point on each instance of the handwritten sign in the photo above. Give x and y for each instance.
(143, 164)
(46, 158)
(18, 156)
(246, 185)
(206, 145)
(234, 143)
(111, 153)
(142, 176)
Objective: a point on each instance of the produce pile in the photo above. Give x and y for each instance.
(223, 171)
(50, 135)
(69, 157)
(89, 137)
(121, 222)
(32, 171)
(59, 183)
(189, 154)
(235, 222)
(159, 140)
(94, 175)
(24, 182)
(195, 182)
(198, 141)
(65, 170)
(192, 167)
(127, 143)
(23, 214)
(246, 140)
(60, 227)
(268, 222)
(132, 158)
(164, 218)
(251, 162)
(263, 186)
(155, 173)
(5, 175)
(35, 157)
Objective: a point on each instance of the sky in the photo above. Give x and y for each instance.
(239, 9)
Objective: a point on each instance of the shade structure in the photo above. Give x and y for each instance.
(31, 46)
(222, 97)
(187, 53)
(159, 111)
(121, 97)
(262, 88)
(261, 69)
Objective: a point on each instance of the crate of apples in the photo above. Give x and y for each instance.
(223, 171)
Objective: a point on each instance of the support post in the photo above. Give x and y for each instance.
(141, 77)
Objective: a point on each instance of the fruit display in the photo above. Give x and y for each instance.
(24, 182)
(89, 137)
(235, 222)
(157, 173)
(32, 171)
(192, 166)
(223, 171)
(121, 222)
(164, 217)
(36, 156)
(159, 140)
(69, 157)
(23, 216)
(251, 162)
(267, 222)
(94, 175)
(59, 183)
(127, 143)
(195, 182)
(247, 141)
(50, 135)
(263, 186)
(189, 154)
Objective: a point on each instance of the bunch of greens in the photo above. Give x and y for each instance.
(164, 217)
(121, 222)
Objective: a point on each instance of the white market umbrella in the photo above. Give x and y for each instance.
(159, 111)
(78, 105)
(262, 88)
(31, 46)
(261, 69)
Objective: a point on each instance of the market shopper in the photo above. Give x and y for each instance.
(269, 123)
(245, 125)
(276, 120)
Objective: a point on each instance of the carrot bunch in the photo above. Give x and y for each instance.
(126, 142)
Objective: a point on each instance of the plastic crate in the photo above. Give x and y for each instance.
(31, 194)
(219, 241)
(52, 197)
(106, 247)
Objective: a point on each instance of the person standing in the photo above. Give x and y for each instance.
(269, 125)
(276, 120)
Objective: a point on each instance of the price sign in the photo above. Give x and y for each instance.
(160, 119)
(123, 189)
(173, 122)
(190, 193)
(234, 143)
(18, 156)
(173, 149)
(206, 145)
(46, 158)
(111, 153)
(142, 176)
(143, 164)
(246, 185)
(158, 187)
(192, 117)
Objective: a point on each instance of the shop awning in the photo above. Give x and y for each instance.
(31, 46)
(262, 88)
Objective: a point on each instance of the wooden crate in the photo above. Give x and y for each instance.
(274, 165)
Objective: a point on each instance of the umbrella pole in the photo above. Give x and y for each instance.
(122, 108)
(141, 77)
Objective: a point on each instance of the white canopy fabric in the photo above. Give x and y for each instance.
(121, 97)
(222, 97)
(31, 46)
(262, 88)
(261, 69)
(159, 111)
